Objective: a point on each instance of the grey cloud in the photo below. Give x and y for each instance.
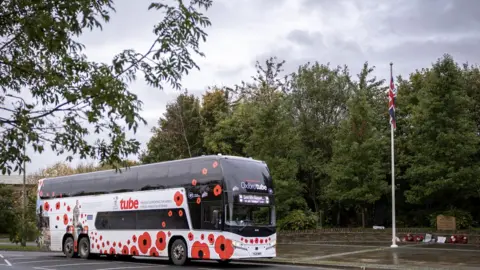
(427, 17)
(305, 38)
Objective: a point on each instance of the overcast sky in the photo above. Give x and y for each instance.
(412, 34)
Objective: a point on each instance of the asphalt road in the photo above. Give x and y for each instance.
(10, 260)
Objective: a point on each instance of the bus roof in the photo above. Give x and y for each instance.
(79, 176)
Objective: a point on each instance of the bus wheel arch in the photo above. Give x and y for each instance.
(178, 250)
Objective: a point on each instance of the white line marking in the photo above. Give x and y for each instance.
(128, 267)
(7, 262)
(40, 261)
(42, 268)
(342, 254)
(71, 264)
(1, 256)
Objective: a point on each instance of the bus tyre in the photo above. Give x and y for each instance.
(68, 248)
(84, 248)
(178, 252)
(224, 262)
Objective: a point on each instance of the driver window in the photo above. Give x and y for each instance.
(211, 216)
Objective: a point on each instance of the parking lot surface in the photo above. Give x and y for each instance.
(57, 261)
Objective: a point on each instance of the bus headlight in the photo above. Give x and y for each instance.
(273, 243)
(237, 244)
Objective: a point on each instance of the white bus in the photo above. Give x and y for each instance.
(209, 208)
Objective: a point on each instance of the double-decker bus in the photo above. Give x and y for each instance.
(207, 208)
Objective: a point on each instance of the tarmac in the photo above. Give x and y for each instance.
(380, 255)
(305, 255)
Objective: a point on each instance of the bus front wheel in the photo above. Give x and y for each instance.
(178, 252)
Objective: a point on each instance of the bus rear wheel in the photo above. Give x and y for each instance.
(84, 248)
(178, 252)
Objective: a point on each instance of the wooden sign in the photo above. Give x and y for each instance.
(446, 223)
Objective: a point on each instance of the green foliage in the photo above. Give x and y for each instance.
(179, 134)
(41, 58)
(463, 218)
(7, 208)
(326, 139)
(298, 220)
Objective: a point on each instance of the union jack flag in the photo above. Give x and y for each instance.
(392, 99)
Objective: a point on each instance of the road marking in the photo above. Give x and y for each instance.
(40, 261)
(129, 267)
(70, 264)
(343, 254)
(1, 256)
(7, 262)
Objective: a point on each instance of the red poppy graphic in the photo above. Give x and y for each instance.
(144, 242)
(112, 251)
(170, 213)
(180, 212)
(204, 171)
(200, 251)
(108, 243)
(128, 242)
(261, 241)
(164, 224)
(93, 246)
(64, 203)
(125, 250)
(215, 164)
(134, 238)
(169, 234)
(103, 244)
(246, 241)
(101, 237)
(199, 200)
(65, 219)
(190, 236)
(46, 206)
(202, 236)
(98, 246)
(58, 217)
(134, 251)
(194, 182)
(119, 244)
(114, 244)
(161, 242)
(153, 252)
(57, 206)
(68, 208)
(224, 247)
(178, 197)
(211, 239)
(217, 191)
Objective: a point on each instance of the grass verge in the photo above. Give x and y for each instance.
(18, 248)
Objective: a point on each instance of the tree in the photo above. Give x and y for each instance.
(7, 209)
(357, 167)
(179, 132)
(52, 93)
(444, 139)
(318, 101)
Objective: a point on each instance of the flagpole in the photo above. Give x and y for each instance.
(394, 237)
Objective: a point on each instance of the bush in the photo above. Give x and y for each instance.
(464, 219)
(298, 220)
